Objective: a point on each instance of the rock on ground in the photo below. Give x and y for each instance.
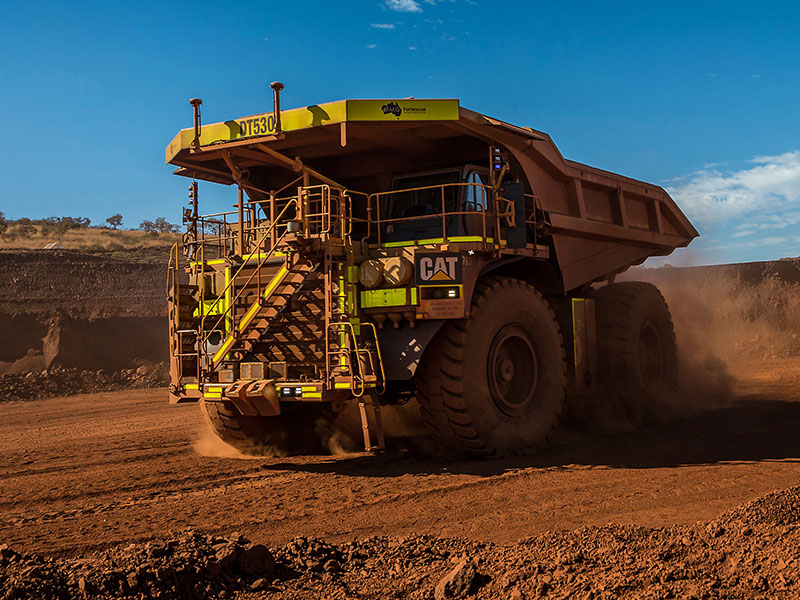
(752, 551)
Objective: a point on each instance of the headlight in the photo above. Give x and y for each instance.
(370, 273)
(397, 270)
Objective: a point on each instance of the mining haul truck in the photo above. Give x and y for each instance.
(381, 251)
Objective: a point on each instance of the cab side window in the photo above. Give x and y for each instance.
(474, 194)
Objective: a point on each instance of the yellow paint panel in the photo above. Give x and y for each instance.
(247, 258)
(390, 297)
(209, 308)
(262, 125)
(402, 110)
(453, 239)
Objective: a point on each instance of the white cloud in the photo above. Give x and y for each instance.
(761, 197)
(412, 47)
(382, 25)
(371, 46)
(409, 6)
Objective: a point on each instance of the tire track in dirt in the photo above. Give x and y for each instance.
(94, 470)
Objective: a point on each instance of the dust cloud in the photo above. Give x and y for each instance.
(724, 316)
(402, 421)
(208, 444)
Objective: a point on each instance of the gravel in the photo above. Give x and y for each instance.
(748, 552)
(67, 381)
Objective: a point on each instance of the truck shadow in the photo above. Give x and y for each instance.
(753, 429)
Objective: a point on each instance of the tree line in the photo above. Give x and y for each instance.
(58, 226)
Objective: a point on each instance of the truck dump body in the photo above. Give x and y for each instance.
(364, 231)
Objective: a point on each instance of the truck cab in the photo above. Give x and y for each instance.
(414, 211)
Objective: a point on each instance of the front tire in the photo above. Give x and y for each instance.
(299, 429)
(493, 384)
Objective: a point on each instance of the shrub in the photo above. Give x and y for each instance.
(160, 225)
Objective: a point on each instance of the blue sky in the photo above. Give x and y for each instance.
(701, 97)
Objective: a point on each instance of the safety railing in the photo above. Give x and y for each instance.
(321, 211)
(533, 218)
(337, 214)
(358, 362)
(173, 277)
(464, 199)
(229, 312)
(178, 335)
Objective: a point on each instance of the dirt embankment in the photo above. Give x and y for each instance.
(77, 322)
(80, 285)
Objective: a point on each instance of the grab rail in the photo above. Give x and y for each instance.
(256, 272)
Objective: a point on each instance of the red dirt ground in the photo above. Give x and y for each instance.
(87, 471)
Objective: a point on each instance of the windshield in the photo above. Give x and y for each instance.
(419, 203)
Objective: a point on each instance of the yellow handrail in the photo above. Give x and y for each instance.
(172, 279)
(256, 271)
(378, 352)
(244, 264)
(344, 352)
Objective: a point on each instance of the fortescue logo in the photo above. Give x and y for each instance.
(393, 108)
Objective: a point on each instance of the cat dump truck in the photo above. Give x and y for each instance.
(378, 251)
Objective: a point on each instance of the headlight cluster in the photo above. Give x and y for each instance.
(394, 271)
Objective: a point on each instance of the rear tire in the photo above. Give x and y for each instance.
(637, 348)
(299, 429)
(493, 384)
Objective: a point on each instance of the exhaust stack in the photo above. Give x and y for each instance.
(196, 102)
(276, 86)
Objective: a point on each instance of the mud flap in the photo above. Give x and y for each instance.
(584, 335)
(402, 348)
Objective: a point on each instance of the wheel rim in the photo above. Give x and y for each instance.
(651, 353)
(512, 370)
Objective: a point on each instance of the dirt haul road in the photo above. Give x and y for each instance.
(88, 471)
